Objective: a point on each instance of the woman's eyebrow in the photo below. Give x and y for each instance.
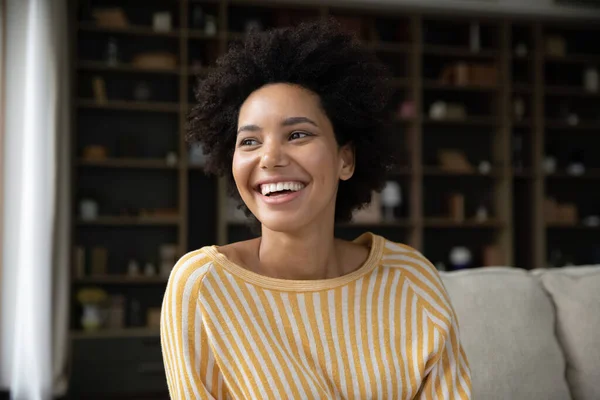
(286, 122)
(298, 120)
(251, 128)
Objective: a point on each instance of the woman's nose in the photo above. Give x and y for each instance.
(273, 155)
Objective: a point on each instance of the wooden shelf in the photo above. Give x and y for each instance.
(526, 123)
(526, 173)
(522, 88)
(577, 226)
(590, 173)
(468, 121)
(437, 171)
(390, 47)
(134, 163)
(120, 280)
(198, 34)
(132, 30)
(130, 221)
(453, 51)
(435, 85)
(582, 126)
(129, 105)
(115, 333)
(200, 70)
(468, 223)
(574, 59)
(573, 91)
(88, 65)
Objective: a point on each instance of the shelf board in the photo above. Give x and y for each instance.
(130, 221)
(389, 47)
(574, 91)
(456, 51)
(126, 105)
(200, 70)
(435, 85)
(120, 280)
(468, 223)
(473, 121)
(526, 173)
(525, 123)
(135, 163)
(590, 173)
(133, 30)
(437, 171)
(578, 226)
(199, 34)
(525, 58)
(115, 333)
(574, 58)
(559, 124)
(524, 88)
(90, 65)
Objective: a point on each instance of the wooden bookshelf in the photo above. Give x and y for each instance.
(514, 196)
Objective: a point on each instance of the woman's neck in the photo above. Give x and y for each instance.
(311, 254)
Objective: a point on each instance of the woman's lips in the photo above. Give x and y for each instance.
(281, 198)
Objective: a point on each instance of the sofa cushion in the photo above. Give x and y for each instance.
(575, 292)
(506, 323)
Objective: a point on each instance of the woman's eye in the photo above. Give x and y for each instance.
(298, 135)
(248, 142)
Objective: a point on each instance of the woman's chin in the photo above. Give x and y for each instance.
(282, 223)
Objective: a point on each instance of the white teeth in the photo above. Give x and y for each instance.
(277, 187)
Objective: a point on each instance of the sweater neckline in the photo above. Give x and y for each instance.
(375, 242)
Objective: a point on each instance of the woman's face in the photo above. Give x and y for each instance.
(287, 163)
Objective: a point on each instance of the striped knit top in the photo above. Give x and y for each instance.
(385, 331)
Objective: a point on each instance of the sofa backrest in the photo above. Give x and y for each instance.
(507, 327)
(575, 293)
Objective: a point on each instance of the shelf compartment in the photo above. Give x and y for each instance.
(133, 30)
(115, 333)
(467, 223)
(574, 91)
(90, 65)
(130, 221)
(472, 121)
(120, 280)
(435, 85)
(136, 163)
(457, 51)
(439, 172)
(129, 105)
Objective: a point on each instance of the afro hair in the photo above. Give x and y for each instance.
(353, 86)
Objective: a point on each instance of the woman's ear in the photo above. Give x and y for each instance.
(347, 161)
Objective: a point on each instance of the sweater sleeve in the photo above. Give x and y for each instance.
(447, 372)
(448, 375)
(190, 366)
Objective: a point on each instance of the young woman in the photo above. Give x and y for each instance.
(296, 118)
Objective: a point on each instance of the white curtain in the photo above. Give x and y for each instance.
(35, 283)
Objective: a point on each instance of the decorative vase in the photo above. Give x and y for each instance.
(91, 318)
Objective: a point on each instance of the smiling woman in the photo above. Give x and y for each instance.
(296, 119)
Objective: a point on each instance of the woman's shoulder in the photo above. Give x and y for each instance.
(422, 276)
(193, 264)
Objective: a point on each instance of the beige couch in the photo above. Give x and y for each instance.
(530, 334)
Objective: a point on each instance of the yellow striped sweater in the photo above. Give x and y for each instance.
(385, 331)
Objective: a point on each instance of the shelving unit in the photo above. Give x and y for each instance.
(419, 47)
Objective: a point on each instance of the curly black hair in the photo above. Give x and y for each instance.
(353, 86)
